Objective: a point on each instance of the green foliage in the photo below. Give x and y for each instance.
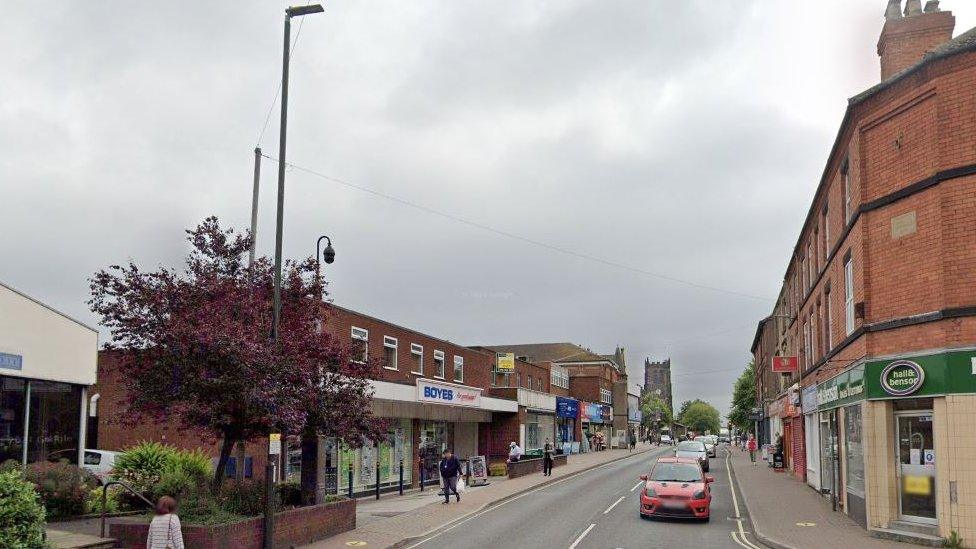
(700, 416)
(244, 497)
(21, 513)
(63, 487)
(744, 398)
(289, 494)
(156, 470)
(653, 406)
(93, 502)
(953, 541)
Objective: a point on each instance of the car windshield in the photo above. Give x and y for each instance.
(676, 472)
(691, 446)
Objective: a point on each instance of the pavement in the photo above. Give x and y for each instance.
(421, 515)
(788, 514)
(591, 503)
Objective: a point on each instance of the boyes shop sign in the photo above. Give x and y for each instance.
(445, 393)
(929, 375)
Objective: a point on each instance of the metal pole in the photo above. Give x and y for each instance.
(421, 460)
(268, 504)
(350, 481)
(401, 477)
(254, 206)
(376, 446)
(281, 178)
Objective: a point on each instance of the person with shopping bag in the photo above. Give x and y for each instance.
(450, 469)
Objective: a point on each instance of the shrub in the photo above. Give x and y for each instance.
(155, 470)
(21, 513)
(195, 464)
(289, 494)
(245, 498)
(63, 487)
(93, 503)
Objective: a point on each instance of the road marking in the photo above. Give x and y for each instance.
(638, 485)
(581, 536)
(476, 514)
(614, 505)
(742, 539)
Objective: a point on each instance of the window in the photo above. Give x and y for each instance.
(499, 379)
(826, 234)
(813, 338)
(606, 396)
(853, 443)
(390, 352)
(360, 344)
(439, 364)
(528, 384)
(458, 368)
(518, 379)
(417, 357)
(849, 292)
(845, 173)
(806, 345)
(559, 378)
(830, 320)
(811, 265)
(803, 274)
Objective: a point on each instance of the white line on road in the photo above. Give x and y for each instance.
(581, 536)
(614, 505)
(735, 502)
(638, 485)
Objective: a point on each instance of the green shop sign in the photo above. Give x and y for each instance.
(928, 375)
(841, 389)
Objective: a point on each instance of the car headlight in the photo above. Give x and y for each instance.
(649, 492)
(699, 494)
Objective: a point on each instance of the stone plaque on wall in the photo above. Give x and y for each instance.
(903, 225)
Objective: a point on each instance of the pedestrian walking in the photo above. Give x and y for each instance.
(164, 530)
(547, 451)
(450, 469)
(751, 446)
(633, 441)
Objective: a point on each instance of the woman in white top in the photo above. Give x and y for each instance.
(164, 531)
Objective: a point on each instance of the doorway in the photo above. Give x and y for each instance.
(915, 451)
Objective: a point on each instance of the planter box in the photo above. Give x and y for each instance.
(292, 528)
(530, 466)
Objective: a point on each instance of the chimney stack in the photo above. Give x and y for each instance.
(905, 40)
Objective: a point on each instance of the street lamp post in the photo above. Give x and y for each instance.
(276, 313)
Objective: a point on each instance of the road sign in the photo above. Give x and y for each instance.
(274, 443)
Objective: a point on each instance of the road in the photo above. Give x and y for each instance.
(598, 509)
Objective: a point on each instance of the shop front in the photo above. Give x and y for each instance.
(923, 408)
(842, 476)
(567, 417)
(811, 435)
(540, 419)
(596, 420)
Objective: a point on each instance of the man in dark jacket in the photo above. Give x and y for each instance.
(450, 469)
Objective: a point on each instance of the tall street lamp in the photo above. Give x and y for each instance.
(286, 55)
(298, 11)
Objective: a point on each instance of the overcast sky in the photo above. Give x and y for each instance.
(678, 138)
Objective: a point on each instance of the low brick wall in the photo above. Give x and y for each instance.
(292, 527)
(530, 466)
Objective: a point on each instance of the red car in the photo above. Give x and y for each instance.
(676, 488)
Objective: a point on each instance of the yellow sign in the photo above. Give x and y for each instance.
(356, 543)
(505, 362)
(274, 443)
(918, 486)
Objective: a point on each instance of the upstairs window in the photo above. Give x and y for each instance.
(849, 293)
(439, 364)
(830, 320)
(390, 352)
(846, 175)
(359, 347)
(417, 358)
(606, 396)
(458, 368)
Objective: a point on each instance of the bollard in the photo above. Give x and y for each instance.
(401, 477)
(377, 476)
(350, 481)
(421, 475)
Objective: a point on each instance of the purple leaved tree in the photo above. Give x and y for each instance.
(196, 346)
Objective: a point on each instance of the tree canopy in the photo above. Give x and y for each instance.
(744, 398)
(699, 416)
(654, 410)
(195, 345)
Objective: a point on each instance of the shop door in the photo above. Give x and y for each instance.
(916, 466)
(829, 466)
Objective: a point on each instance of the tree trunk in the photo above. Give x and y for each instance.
(241, 458)
(225, 449)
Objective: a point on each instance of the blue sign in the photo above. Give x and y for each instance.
(567, 407)
(11, 362)
(594, 413)
(437, 393)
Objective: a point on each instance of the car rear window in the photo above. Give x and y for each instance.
(691, 446)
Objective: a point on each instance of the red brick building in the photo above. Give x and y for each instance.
(878, 301)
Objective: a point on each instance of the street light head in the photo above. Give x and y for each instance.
(298, 11)
(329, 254)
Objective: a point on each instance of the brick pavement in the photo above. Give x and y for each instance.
(786, 513)
(390, 531)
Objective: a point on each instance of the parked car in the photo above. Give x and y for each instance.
(693, 449)
(676, 488)
(709, 444)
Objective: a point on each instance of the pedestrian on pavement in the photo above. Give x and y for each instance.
(514, 453)
(633, 441)
(547, 451)
(450, 469)
(751, 446)
(164, 530)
